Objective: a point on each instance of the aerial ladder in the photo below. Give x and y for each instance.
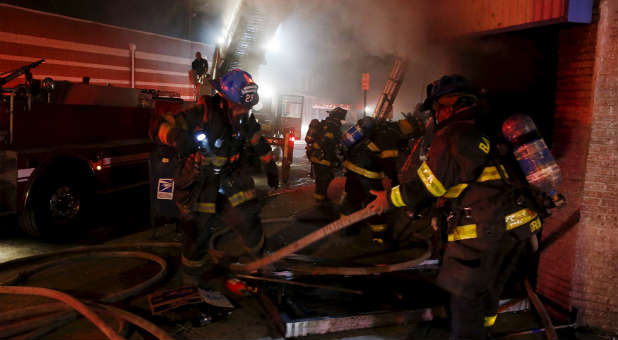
(384, 107)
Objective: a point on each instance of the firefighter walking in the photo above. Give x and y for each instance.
(489, 225)
(323, 144)
(214, 179)
(371, 159)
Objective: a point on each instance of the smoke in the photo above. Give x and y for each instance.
(332, 43)
(326, 45)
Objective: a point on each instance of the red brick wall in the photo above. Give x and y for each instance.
(573, 107)
(596, 264)
(579, 268)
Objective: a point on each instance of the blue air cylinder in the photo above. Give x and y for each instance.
(353, 135)
(357, 132)
(532, 154)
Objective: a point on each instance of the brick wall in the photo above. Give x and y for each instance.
(578, 268)
(596, 265)
(573, 107)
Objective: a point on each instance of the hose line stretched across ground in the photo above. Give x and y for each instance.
(330, 228)
(550, 331)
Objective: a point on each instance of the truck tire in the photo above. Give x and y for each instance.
(58, 205)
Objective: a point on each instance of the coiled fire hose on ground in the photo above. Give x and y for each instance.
(91, 252)
(69, 300)
(56, 315)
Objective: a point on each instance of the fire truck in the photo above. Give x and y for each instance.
(62, 143)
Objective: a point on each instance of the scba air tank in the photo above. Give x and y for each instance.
(357, 132)
(532, 154)
(353, 135)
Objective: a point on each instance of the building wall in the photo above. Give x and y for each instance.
(596, 265)
(578, 265)
(74, 48)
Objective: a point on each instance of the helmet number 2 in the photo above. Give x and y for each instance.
(249, 97)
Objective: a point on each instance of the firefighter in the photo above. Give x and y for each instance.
(490, 223)
(199, 65)
(324, 153)
(199, 72)
(371, 159)
(213, 139)
(310, 137)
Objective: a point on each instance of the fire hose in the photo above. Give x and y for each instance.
(305, 241)
(69, 300)
(58, 315)
(330, 228)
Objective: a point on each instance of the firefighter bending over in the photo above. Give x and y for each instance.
(369, 160)
(323, 152)
(490, 224)
(212, 139)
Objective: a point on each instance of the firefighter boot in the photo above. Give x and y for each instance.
(197, 273)
(327, 208)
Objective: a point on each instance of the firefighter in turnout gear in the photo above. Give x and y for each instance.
(213, 139)
(491, 222)
(324, 152)
(369, 160)
(198, 73)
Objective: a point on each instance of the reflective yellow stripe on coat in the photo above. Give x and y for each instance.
(431, 182)
(206, 208)
(396, 198)
(463, 232)
(389, 153)
(490, 320)
(363, 172)
(489, 173)
(519, 218)
(319, 161)
(242, 197)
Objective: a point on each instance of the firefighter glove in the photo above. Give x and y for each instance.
(380, 204)
(272, 174)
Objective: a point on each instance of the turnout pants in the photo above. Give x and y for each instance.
(228, 199)
(357, 196)
(323, 176)
(475, 272)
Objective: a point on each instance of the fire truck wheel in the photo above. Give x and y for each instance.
(58, 205)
